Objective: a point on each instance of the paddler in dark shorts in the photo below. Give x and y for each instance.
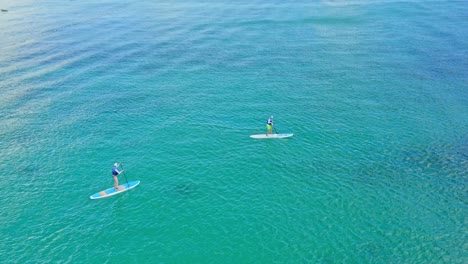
(115, 173)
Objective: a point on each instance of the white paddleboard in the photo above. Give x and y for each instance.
(284, 135)
(112, 191)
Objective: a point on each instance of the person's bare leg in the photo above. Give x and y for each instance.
(116, 183)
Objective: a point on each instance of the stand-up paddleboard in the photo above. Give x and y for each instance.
(284, 135)
(112, 191)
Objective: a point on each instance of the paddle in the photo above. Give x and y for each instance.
(276, 130)
(123, 171)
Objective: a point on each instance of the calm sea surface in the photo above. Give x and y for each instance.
(375, 92)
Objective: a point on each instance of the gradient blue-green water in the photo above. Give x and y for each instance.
(374, 91)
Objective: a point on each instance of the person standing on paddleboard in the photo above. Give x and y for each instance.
(269, 125)
(115, 173)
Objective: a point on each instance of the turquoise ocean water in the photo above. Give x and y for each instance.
(375, 93)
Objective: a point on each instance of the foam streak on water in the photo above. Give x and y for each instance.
(374, 92)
